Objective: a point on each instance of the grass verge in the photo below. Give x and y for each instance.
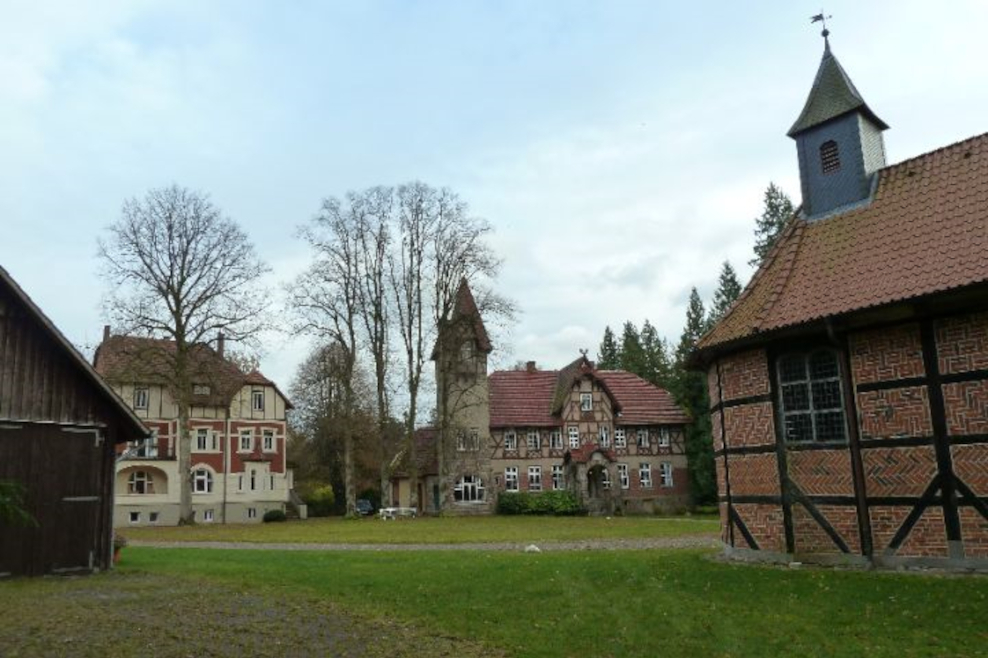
(432, 530)
(615, 603)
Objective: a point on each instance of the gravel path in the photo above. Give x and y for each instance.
(695, 541)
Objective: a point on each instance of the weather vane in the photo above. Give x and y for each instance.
(821, 18)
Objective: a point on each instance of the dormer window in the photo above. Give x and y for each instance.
(829, 157)
(140, 398)
(586, 402)
(200, 389)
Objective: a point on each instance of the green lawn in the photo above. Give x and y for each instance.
(612, 603)
(434, 530)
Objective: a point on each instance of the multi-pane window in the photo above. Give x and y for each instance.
(574, 436)
(535, 478)
(470, 440)
(557, 477)
(645, 475)
(511, 478)
(812, 400)
(829, 157)
(147, 448)
(556, 440)
(534, 440)
(586, 402)
(207, 516)
(200, 389)
(461, 441)
(605, 436)
(642, 436)
(665, 474)
(202, 481)
(468, 489)
(246, 440)
(474, 439)
(605, 478)
(257, 399)
(141, 398)
(623, 476)
(664, 437)
(510, 440)
(268, 440)
(620, 441)
(251, 512)
(202, 439)
(140, 482)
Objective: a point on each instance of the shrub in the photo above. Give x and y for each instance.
(556, 503)
(274, 516)
(320, 500)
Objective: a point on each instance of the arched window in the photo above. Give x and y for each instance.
(812, 400)
(829, 157)
(468, 489)
(202, 481)
(140, 482)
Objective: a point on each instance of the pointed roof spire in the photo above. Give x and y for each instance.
(466, 307)
(832, 95)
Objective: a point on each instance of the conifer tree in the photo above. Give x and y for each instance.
(777, 211)
(658, 368)
(691, 394)
(608, 356)
(631, 355)
(728, 290)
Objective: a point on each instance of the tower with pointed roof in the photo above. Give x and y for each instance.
(838, 141)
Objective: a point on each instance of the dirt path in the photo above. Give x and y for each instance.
(694, 541)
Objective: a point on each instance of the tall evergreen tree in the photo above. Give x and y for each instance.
(691, 394)
(608, 356)
(777, 211)
(658, 368)
(632, 355)
(728, 290)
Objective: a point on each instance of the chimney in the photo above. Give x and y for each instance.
(106, 332)
(220, 344)
(530, 366)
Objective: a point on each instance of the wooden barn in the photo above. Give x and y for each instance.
(59, 423)
(849, 382)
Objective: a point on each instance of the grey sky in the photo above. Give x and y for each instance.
(620, 149)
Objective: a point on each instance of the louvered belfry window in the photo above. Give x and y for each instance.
(829, 157)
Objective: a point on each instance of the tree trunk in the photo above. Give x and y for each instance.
(185, 512)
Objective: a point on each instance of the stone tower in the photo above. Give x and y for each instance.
(838, 141)
(463, 409)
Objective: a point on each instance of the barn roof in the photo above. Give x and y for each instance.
(129, 419)
(924, 232)
(529, 398)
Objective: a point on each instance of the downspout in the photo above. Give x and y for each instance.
(226, 462)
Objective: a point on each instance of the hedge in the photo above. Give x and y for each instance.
(556, 503)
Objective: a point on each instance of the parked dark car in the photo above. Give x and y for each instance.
(364, 507)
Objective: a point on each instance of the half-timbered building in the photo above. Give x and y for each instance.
(849, 382)
(610, 437)
(59, 425)
(237, 426)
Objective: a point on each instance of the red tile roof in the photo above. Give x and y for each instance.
(924, 232)
(522, 398)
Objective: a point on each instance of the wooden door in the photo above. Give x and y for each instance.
(61, 472)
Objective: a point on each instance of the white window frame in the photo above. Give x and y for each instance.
(472, 485)
(642, 438)
(605, 481)
(268, 441)
(605, 436)
(134, 517)
(257, 399)
(247, 434)
(586, 402)
(511, 478)
(623, 476)
(208, 516)
(510, 441)
(201, 389)
(141, 397)
(535, 478)
(556, 440)
(574, 436)
(558, 477)
(664, 437)
(253, 479)
(251, 512)
(146, 483)
(202, 481)
(645, 475)
(202, 439)
(665, 474)
(620, 438)
(534, 440)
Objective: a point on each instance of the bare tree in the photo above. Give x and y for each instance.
(326, 299)
(179, 270)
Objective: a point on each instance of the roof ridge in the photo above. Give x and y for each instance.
(927, 154)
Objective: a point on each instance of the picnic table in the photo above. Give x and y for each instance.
(392, 513)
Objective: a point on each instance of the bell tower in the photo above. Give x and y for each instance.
(838, 141)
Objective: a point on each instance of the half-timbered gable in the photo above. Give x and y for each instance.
(848, 382)
(59, 424)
